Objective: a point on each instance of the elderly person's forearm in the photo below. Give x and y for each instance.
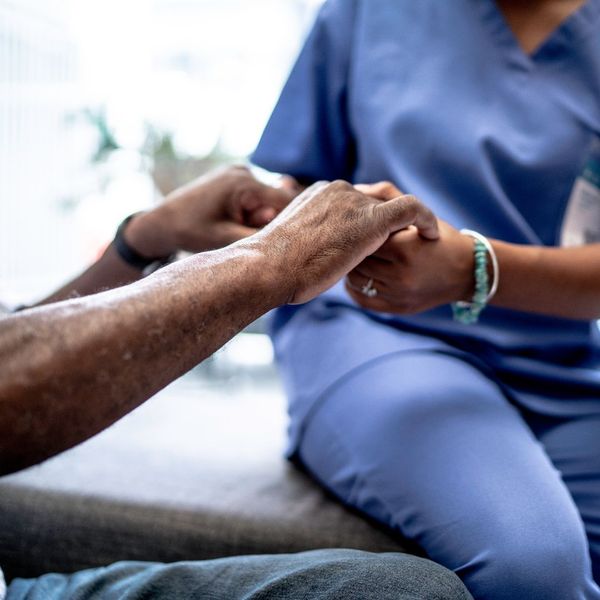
(70, 369)
(210, 212)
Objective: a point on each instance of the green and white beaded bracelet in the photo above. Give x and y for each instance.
(468, 312)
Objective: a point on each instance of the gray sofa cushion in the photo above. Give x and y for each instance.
(183, 477)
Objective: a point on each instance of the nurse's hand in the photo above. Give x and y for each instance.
(412, 274)
(328, 230)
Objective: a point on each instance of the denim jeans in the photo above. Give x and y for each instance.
(328, 574)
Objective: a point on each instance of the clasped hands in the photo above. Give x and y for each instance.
(410, 272)
(415, 264)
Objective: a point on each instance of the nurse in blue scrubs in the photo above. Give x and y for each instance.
(479, 441)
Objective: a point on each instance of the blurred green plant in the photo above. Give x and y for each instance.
(168, 166)
(159, 145)
(107, 142)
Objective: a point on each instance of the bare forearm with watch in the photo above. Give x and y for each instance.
(210, 212)
(70, 369)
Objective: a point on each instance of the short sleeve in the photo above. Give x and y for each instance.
(308, 135)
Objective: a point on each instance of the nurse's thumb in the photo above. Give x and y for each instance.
(407, 210)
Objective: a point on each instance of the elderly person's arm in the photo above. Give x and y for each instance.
(70, 369)
(210, 212)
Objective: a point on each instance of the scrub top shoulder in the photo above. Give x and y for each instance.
(439, 98)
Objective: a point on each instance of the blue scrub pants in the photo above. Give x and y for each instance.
(425, 443)
(323, 574)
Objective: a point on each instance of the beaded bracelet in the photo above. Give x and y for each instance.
(468, 312)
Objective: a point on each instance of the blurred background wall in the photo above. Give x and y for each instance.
(107, 104)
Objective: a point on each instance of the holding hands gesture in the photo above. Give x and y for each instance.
(409, 273)
(330, 228)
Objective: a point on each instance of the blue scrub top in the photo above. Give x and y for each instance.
(438, 97)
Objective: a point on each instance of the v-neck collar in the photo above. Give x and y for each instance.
(582, 22)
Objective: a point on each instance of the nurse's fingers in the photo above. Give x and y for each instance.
(403, 205)
(359, 282)
(383, 190)
(382, 302)
(375, 268)
(407, 210)
(397, 246)
(376, 303)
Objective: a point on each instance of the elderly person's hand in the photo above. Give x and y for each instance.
(210, 212)
(145, 335)
(410, 273)
(331, 228)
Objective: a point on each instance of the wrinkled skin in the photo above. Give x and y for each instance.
(71, 368)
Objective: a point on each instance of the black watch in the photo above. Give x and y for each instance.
(132, 257)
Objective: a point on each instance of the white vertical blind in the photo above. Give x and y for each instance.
(37, 73)
(206, 71)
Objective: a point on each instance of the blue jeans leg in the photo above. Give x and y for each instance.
(322, 574)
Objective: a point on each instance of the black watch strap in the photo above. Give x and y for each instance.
(131, 256)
